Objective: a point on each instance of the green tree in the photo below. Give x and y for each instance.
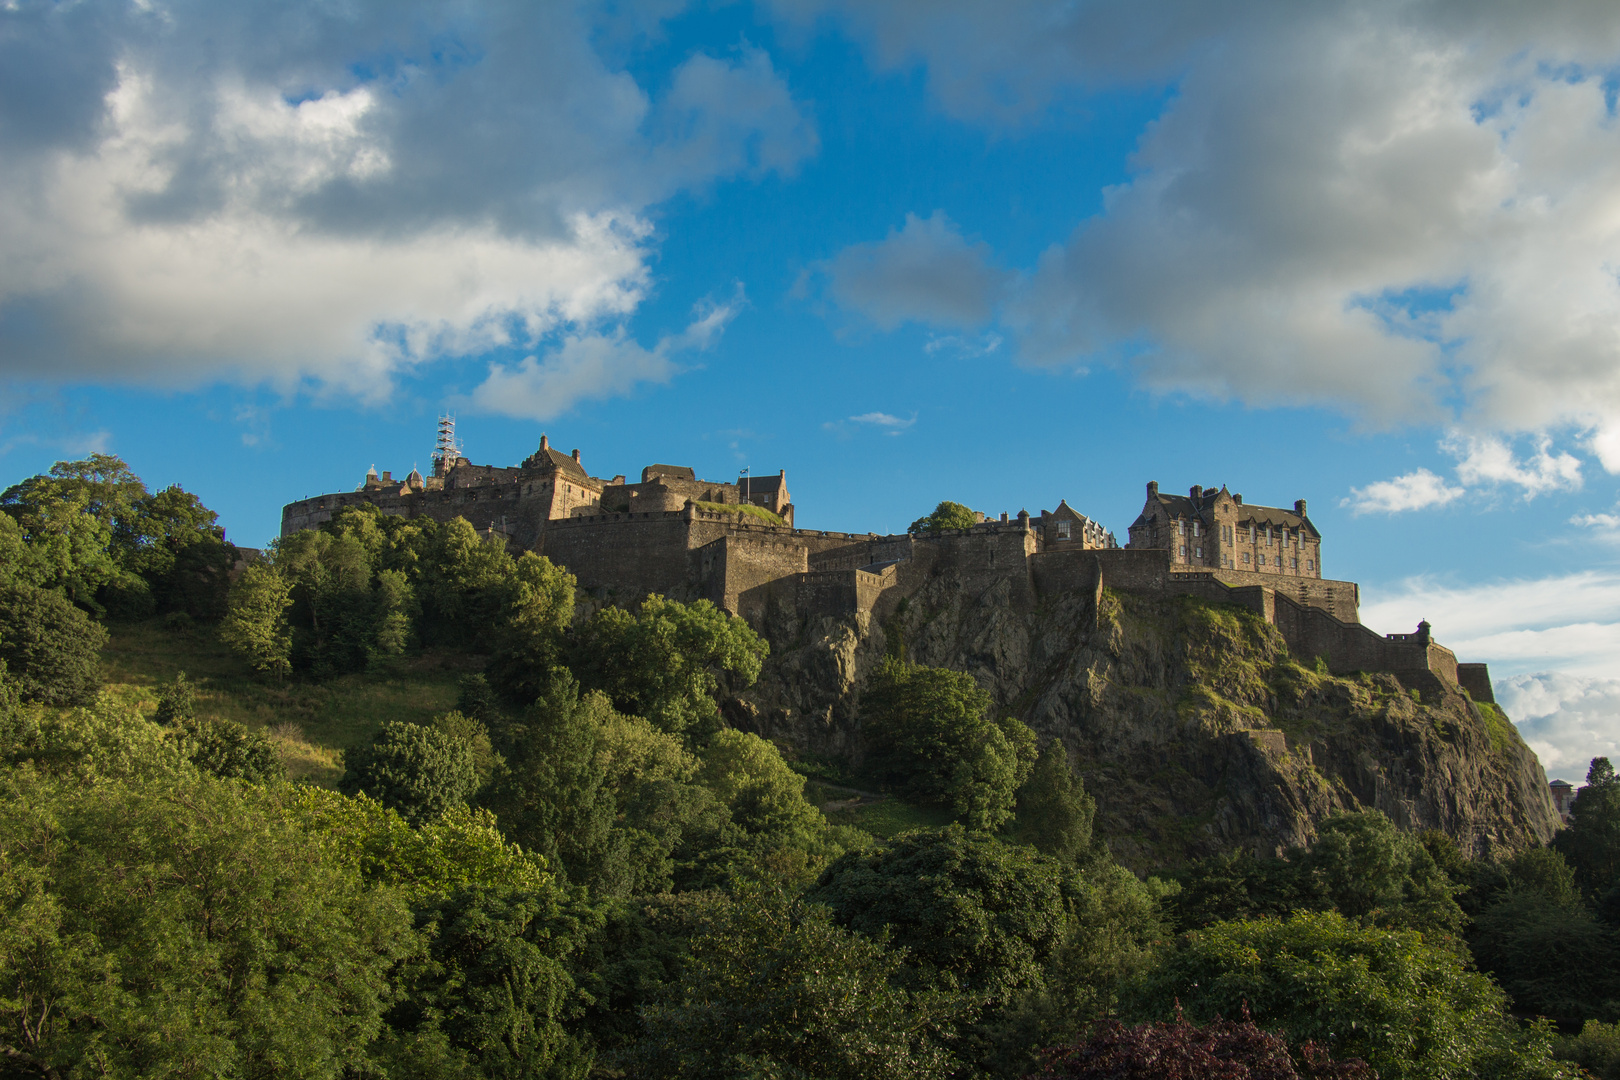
(464, 581)
(68, 519)
(220, 745)
(50, 647)
(947, 515)
(669, 662)
(255, 625)
(1054, 813)
(553, 797)
(177, 704)
(774, 988)
(1591, 843)
(539, 607)
(1363, 867)
(765, 797)
(418, 771)
(1536, 931)
(427, 863)
(226, 944)
(929, 730)
(1408, 1007)
(495, 995)
(974, 914)
(1360, 865)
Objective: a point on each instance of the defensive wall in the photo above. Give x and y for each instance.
(623, 541)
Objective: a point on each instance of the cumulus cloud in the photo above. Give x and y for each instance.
(1567, 719)
(1551, 644)
(291, 191)
(1407, 210)
(1415, 491)
(1603, 522)
(594, 365)
(1569, 623)
(924, 272)
(1490, 460)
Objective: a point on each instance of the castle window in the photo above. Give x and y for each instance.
(1183, 552)
(1309, 565)
(1293, 564)
(1063, 530)
(1245, 558)
(1226, 533)
(1260, 559)
(1199, 552)
(1195, 528)
(1181, 527)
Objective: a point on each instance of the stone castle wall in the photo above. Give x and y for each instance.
(623, 542)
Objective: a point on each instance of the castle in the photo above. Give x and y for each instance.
(736, 545)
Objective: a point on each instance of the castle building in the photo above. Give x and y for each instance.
(1215, 529)
(681, 536)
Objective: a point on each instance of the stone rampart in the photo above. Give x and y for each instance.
(1476, 679)
(627, 555)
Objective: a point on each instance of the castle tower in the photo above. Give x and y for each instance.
(447, 450)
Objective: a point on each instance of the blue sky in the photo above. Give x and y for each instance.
(1004, 254)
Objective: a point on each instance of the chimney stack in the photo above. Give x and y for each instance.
(1196, 492)
(576, 457)
(1299, 507)
(1238, 498)
(545, 443)
(1153, 489)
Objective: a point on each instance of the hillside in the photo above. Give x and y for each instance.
(1194, 729)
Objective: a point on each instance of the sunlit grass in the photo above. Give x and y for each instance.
(310, 723)
(891, 817)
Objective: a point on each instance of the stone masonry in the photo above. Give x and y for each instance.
(677, 535)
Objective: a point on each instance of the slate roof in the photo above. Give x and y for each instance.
(674, 472)
(1183, 506)
(761, 485)
(562, 462)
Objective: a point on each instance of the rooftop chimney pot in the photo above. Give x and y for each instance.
(545, 443)
(1153, 489)
(576, 457)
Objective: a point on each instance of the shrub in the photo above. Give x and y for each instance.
(1408, 1007)
(51, 648)
(929, 730)
(1220, 1050)
(947, 515)
(420, 772)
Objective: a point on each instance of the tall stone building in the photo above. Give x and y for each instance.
(1216, 529)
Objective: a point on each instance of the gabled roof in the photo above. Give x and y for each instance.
(1184, 507)
(559, 461)
(674, 472)
(760, 484)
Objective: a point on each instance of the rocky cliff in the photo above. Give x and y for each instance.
(1193, 727)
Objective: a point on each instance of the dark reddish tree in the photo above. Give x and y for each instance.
(1222, 1050)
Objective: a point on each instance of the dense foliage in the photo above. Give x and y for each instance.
(947, 515)
(929, 731)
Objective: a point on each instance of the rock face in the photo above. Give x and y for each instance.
(1194, 729)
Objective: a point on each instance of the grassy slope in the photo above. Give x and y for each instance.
(311, 723)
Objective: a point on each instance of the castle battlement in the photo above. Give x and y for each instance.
(668, 534)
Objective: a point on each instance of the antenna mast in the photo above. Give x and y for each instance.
(447, 450)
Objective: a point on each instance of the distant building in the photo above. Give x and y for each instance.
(1563, 794)
(1215, 529)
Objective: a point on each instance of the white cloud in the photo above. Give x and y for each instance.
(1406, 210)
(1604, 522)
(302, 191)
(1567, 719)
(1490, 460)
(923, 272)
(1414, 491)
(594, 365)
(1553, 645)
(889, 425)
(1569, 623)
